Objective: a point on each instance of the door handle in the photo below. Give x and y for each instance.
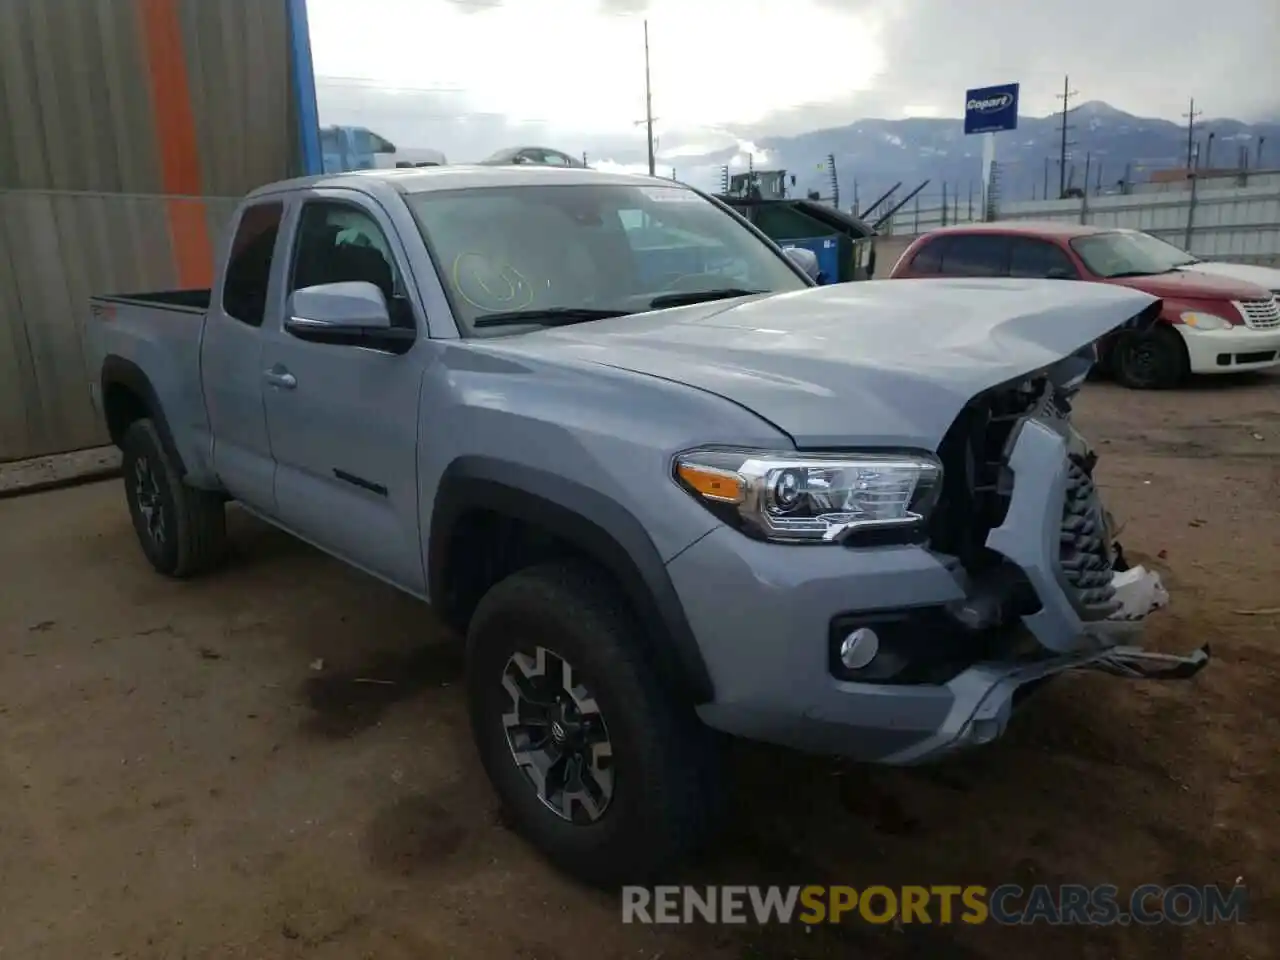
(280, 378)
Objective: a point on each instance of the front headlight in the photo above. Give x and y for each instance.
(812, 497)
(1204, 321)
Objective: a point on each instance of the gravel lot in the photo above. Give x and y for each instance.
(273, 762)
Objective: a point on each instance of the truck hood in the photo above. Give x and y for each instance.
(1189, 285)
(1266, 277)
(886, 363)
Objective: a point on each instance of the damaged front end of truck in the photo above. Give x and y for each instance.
(1039, 605)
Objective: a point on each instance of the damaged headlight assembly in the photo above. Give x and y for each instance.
(792, 497)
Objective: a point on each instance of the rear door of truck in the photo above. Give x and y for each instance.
(231, 367)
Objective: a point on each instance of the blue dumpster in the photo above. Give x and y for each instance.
(827, 250)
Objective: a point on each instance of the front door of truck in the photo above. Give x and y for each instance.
(343, 419)
(231, 357)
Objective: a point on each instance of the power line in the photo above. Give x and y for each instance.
(1065, 97)
(1191, 115)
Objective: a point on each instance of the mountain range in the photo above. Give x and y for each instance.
(876, 154)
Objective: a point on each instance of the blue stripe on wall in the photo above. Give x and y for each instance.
(304, 88)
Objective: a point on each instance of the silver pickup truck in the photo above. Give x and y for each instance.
(666, 487)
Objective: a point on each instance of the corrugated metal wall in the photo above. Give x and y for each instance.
(78, 110)
(57, 250)
(127, 130)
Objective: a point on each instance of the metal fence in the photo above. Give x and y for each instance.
(58, 248)
(1224, 218)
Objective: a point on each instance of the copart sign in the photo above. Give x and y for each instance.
(991, 109)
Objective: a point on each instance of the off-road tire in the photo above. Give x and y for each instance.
(193, 525)
(668, 766)
(1155, 359)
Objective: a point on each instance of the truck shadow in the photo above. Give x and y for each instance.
(346, 702)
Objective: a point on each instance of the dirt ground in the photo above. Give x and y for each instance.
(178, 779)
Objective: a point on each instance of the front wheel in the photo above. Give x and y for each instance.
(1152, 360)
(181, 530)
(597, 764)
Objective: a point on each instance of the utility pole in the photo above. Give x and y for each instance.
(1191, 115)
(1065, 97)
(648, 97)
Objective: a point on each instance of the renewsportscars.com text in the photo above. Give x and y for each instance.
(1008, 904)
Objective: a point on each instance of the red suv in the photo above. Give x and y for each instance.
(1208, 324)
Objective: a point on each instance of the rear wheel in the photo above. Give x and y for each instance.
(1155, 359)
(596, 763)
(182, 530)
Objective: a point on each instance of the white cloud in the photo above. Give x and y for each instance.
(470, 76)
(575, 67)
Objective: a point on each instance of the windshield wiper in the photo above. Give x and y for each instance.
(550, 317)
(699, 296)
(1136, 273)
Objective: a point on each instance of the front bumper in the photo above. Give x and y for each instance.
(1234, 350)
(763, 614)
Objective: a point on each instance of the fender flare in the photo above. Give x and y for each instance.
(592, 522)
(117, 371)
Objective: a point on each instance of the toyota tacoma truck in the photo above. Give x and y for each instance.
(662, 500)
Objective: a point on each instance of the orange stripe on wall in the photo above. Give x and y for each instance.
(176, 138)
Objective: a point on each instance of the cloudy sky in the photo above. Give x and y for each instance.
(471, 76)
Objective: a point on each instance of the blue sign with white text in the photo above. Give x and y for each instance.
(991, 109)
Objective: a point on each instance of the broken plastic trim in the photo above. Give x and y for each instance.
(1139, 664)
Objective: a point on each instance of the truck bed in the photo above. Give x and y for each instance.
(154, 339)
(186, 301)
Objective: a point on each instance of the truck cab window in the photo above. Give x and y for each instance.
(244, 288)
(661, 249)
(338, 242)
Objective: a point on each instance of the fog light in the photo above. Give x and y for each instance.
(859, 648)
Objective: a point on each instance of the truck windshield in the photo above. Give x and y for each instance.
(577, 252)
(1129, 254)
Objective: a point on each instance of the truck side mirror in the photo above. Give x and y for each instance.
(806, 260)
(351, 313)
(354, 303)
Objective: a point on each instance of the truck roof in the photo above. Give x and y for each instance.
(459, 176)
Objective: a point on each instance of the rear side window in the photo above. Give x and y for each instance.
(244, 288)
(928, 259)
(1039, 259)
(976, 255)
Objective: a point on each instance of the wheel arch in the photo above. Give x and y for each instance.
(129, 395)
(588, 522)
